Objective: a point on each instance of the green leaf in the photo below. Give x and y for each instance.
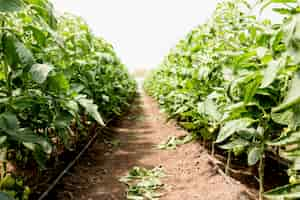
(24, 54)
(63, 120)
(261, 52)
(251, 87)
(15, 52)
(271, 72)
(291, 154)
(38, 34)
(91, 109)
(3, 139)
(188, 125)
(254, 155)
(236, 143)
(249, 133)
(232, 127)
(170, 144)
(284, 192)
(283, 11)
(290, 117)
(286, 140)
(10, 5)
(233, 111)
(209, 108)
(58, 83)
(143, 183)
(4, 196)
(73, 107)
(40, 157)
(291, 30)
(26, 137)
(40, 72)
(283, 118)
(45, 10)
(9, 122)
(293, 95)
(296, 164)
(10, 54)
(276, 1)
(284, 1)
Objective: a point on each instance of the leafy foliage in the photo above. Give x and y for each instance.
(56, 77)
(143, 183)
(10, 5)
(235, 81)
(173, 142)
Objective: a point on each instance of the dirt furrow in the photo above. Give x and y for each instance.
(190, 173)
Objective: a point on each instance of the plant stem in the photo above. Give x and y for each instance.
(5, 65)
(261, 171)
(213, 149)
(228, 163)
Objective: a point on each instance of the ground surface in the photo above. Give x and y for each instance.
(190, 173)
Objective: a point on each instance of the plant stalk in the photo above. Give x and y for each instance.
(261, 172)
(228, 163)
(5, 64)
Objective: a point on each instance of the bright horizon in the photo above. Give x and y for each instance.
(141, 31)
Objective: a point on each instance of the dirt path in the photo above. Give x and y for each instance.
(190, 174)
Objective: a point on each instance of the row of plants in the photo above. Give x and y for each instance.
(57, 79)
(235, 82)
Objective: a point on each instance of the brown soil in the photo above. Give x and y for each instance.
(191, 176)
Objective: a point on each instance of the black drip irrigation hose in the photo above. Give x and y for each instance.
(71, 164)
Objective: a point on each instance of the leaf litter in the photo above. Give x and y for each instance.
(144, 184)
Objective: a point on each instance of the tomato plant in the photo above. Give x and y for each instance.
(234, 81)
(55, 75)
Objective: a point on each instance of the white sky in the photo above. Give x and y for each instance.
(141, 31)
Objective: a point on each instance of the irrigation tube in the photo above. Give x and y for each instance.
(71, 164)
